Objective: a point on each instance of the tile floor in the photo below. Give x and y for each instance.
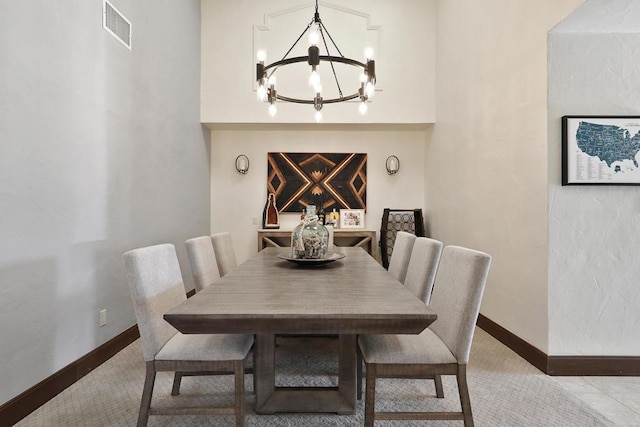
(617, 398)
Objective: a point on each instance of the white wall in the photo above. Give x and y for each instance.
(237, 199)
(102, 152)
(405, 59)
(487, 161)
(593, 230)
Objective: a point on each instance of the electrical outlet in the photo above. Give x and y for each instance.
(103, 317)
(255, 220)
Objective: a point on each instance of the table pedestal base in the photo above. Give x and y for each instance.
(271, 399)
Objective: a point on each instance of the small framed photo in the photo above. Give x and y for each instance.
(351, 218)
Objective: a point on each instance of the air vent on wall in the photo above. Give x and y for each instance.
(116, 24)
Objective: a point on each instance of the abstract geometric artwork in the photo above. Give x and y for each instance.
(333, 180)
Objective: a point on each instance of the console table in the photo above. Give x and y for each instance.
(341, 237)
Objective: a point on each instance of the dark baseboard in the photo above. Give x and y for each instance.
(562, 365)
(584, 366)
(525, 350)
(27, 402)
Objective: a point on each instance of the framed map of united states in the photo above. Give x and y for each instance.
(601, 150)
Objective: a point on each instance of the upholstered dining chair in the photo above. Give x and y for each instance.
(421, 274)
(393, 221)
(441, 349)
(402, 249)
(423, 264)
(156, 286)
(225, 254)
(202, 260)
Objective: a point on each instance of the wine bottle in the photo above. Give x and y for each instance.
(270, 216)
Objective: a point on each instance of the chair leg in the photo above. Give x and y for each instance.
(147, 392)
(177, 380)
(370, 396)
(359, 375)
(238, 368)
(437, 379)
(465, 401)
(255, 359)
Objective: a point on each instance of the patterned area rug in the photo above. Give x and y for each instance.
(505, 391)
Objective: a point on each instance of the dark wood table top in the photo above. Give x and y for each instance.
(268, 295)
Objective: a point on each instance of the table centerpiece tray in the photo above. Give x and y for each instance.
(331, 257)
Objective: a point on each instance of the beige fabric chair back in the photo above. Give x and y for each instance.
(401, 255)
(460, 282)
(202, 260)
(421, 271)
(225, 255)
(156, 286)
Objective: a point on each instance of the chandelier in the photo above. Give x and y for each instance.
(266, 74)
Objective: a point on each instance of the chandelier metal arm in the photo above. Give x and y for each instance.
(328, 58)
(330, 38)
(298, 39)
(312, 101)
(323, 30)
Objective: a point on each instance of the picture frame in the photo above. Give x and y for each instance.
(352, 218)
(331, 180)
(600, 150)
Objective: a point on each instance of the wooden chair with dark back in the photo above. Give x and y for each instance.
(394, 220)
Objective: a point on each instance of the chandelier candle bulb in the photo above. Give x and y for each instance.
(314, 38)
(369, 89)
(261, 93)
(314, 78)
(368, 53)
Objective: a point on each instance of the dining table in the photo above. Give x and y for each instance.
(271, 294)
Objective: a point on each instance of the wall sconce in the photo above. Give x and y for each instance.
(242, 164)
(393, 165)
